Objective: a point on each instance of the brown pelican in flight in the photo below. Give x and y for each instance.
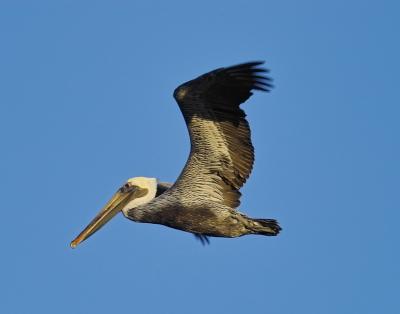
(205, 197)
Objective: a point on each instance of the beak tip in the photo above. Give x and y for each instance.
(113, 207)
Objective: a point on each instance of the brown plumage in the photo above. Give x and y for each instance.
(204, 198)
(216, 97)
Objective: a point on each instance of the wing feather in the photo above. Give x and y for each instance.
(222, 155)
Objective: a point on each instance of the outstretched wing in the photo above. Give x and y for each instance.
(222, 155)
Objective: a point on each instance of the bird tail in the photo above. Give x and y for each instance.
(267, 227)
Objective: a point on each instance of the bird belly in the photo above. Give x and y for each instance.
(203, 220)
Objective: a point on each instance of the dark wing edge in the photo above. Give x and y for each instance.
(217, 96)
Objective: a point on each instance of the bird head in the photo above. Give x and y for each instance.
(134, 192)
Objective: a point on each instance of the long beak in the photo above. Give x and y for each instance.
(115, 205)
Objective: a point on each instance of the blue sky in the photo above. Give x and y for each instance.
(86, 102)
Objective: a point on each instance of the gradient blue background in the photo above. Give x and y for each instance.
(86, 102)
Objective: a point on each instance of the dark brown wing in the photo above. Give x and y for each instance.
(222, 154)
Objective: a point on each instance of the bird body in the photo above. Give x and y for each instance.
(200, 216)
(204, 198)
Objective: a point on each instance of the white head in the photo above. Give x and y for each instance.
(148, 188)
(134, 192)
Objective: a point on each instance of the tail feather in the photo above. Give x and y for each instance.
(268, 227)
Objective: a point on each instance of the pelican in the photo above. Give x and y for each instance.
(205, 197)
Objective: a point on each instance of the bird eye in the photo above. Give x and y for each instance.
(125, 188)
